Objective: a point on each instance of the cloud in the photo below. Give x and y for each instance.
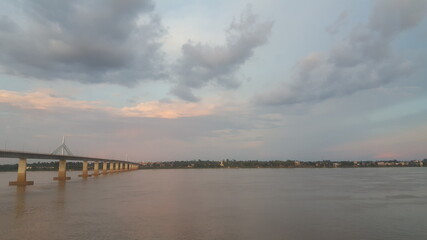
(363, 60)
(339, 23)
(46, 100)
(202, 64)
(85, 41)
(173, 109)
(7, 25)
(387, 155)
(403, 143)
(43, 100)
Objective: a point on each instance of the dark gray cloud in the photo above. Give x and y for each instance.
(7, 25)
(202, 64)
(339, 23)
(363, 60)
(86, 41)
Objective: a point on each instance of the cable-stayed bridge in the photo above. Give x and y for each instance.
(108, 165)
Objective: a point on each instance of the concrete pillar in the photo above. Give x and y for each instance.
(62, 174)
(126, 166)
(84, 171)
(96, 168)
(111, 167)
(21, 180)
(121, 167)
(116, 167)
(104, 168)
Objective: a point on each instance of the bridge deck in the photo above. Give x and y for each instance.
(32, 155)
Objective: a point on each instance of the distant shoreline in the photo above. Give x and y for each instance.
(230, 164)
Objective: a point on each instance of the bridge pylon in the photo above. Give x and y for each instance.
(62, 149)
(62, 170)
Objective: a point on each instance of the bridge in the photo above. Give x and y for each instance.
(108, 165)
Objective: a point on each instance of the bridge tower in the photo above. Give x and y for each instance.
(62, 170)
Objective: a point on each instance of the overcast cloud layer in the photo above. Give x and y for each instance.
(85, 41)
(362, 60)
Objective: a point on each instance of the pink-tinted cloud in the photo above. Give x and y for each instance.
(157, 109)
(43, 100)
(46, 100)
(404, 144)
(387, 155)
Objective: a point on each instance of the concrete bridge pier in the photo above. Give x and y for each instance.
(62, 171)
(96, 169)
(21, 180)
(111, 167)
(104, 168)
(126, 166)
(116, 167)
(84, 171)
(121, 167)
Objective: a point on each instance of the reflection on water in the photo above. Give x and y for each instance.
(229, 204)
(20, 201)
(60, 198)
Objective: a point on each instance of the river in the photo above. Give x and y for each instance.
(368, 203)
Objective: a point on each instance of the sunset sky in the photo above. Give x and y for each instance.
(180, 80)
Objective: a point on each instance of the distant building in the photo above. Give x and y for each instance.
(417, 163)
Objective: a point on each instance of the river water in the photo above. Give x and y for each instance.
(386, 203)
